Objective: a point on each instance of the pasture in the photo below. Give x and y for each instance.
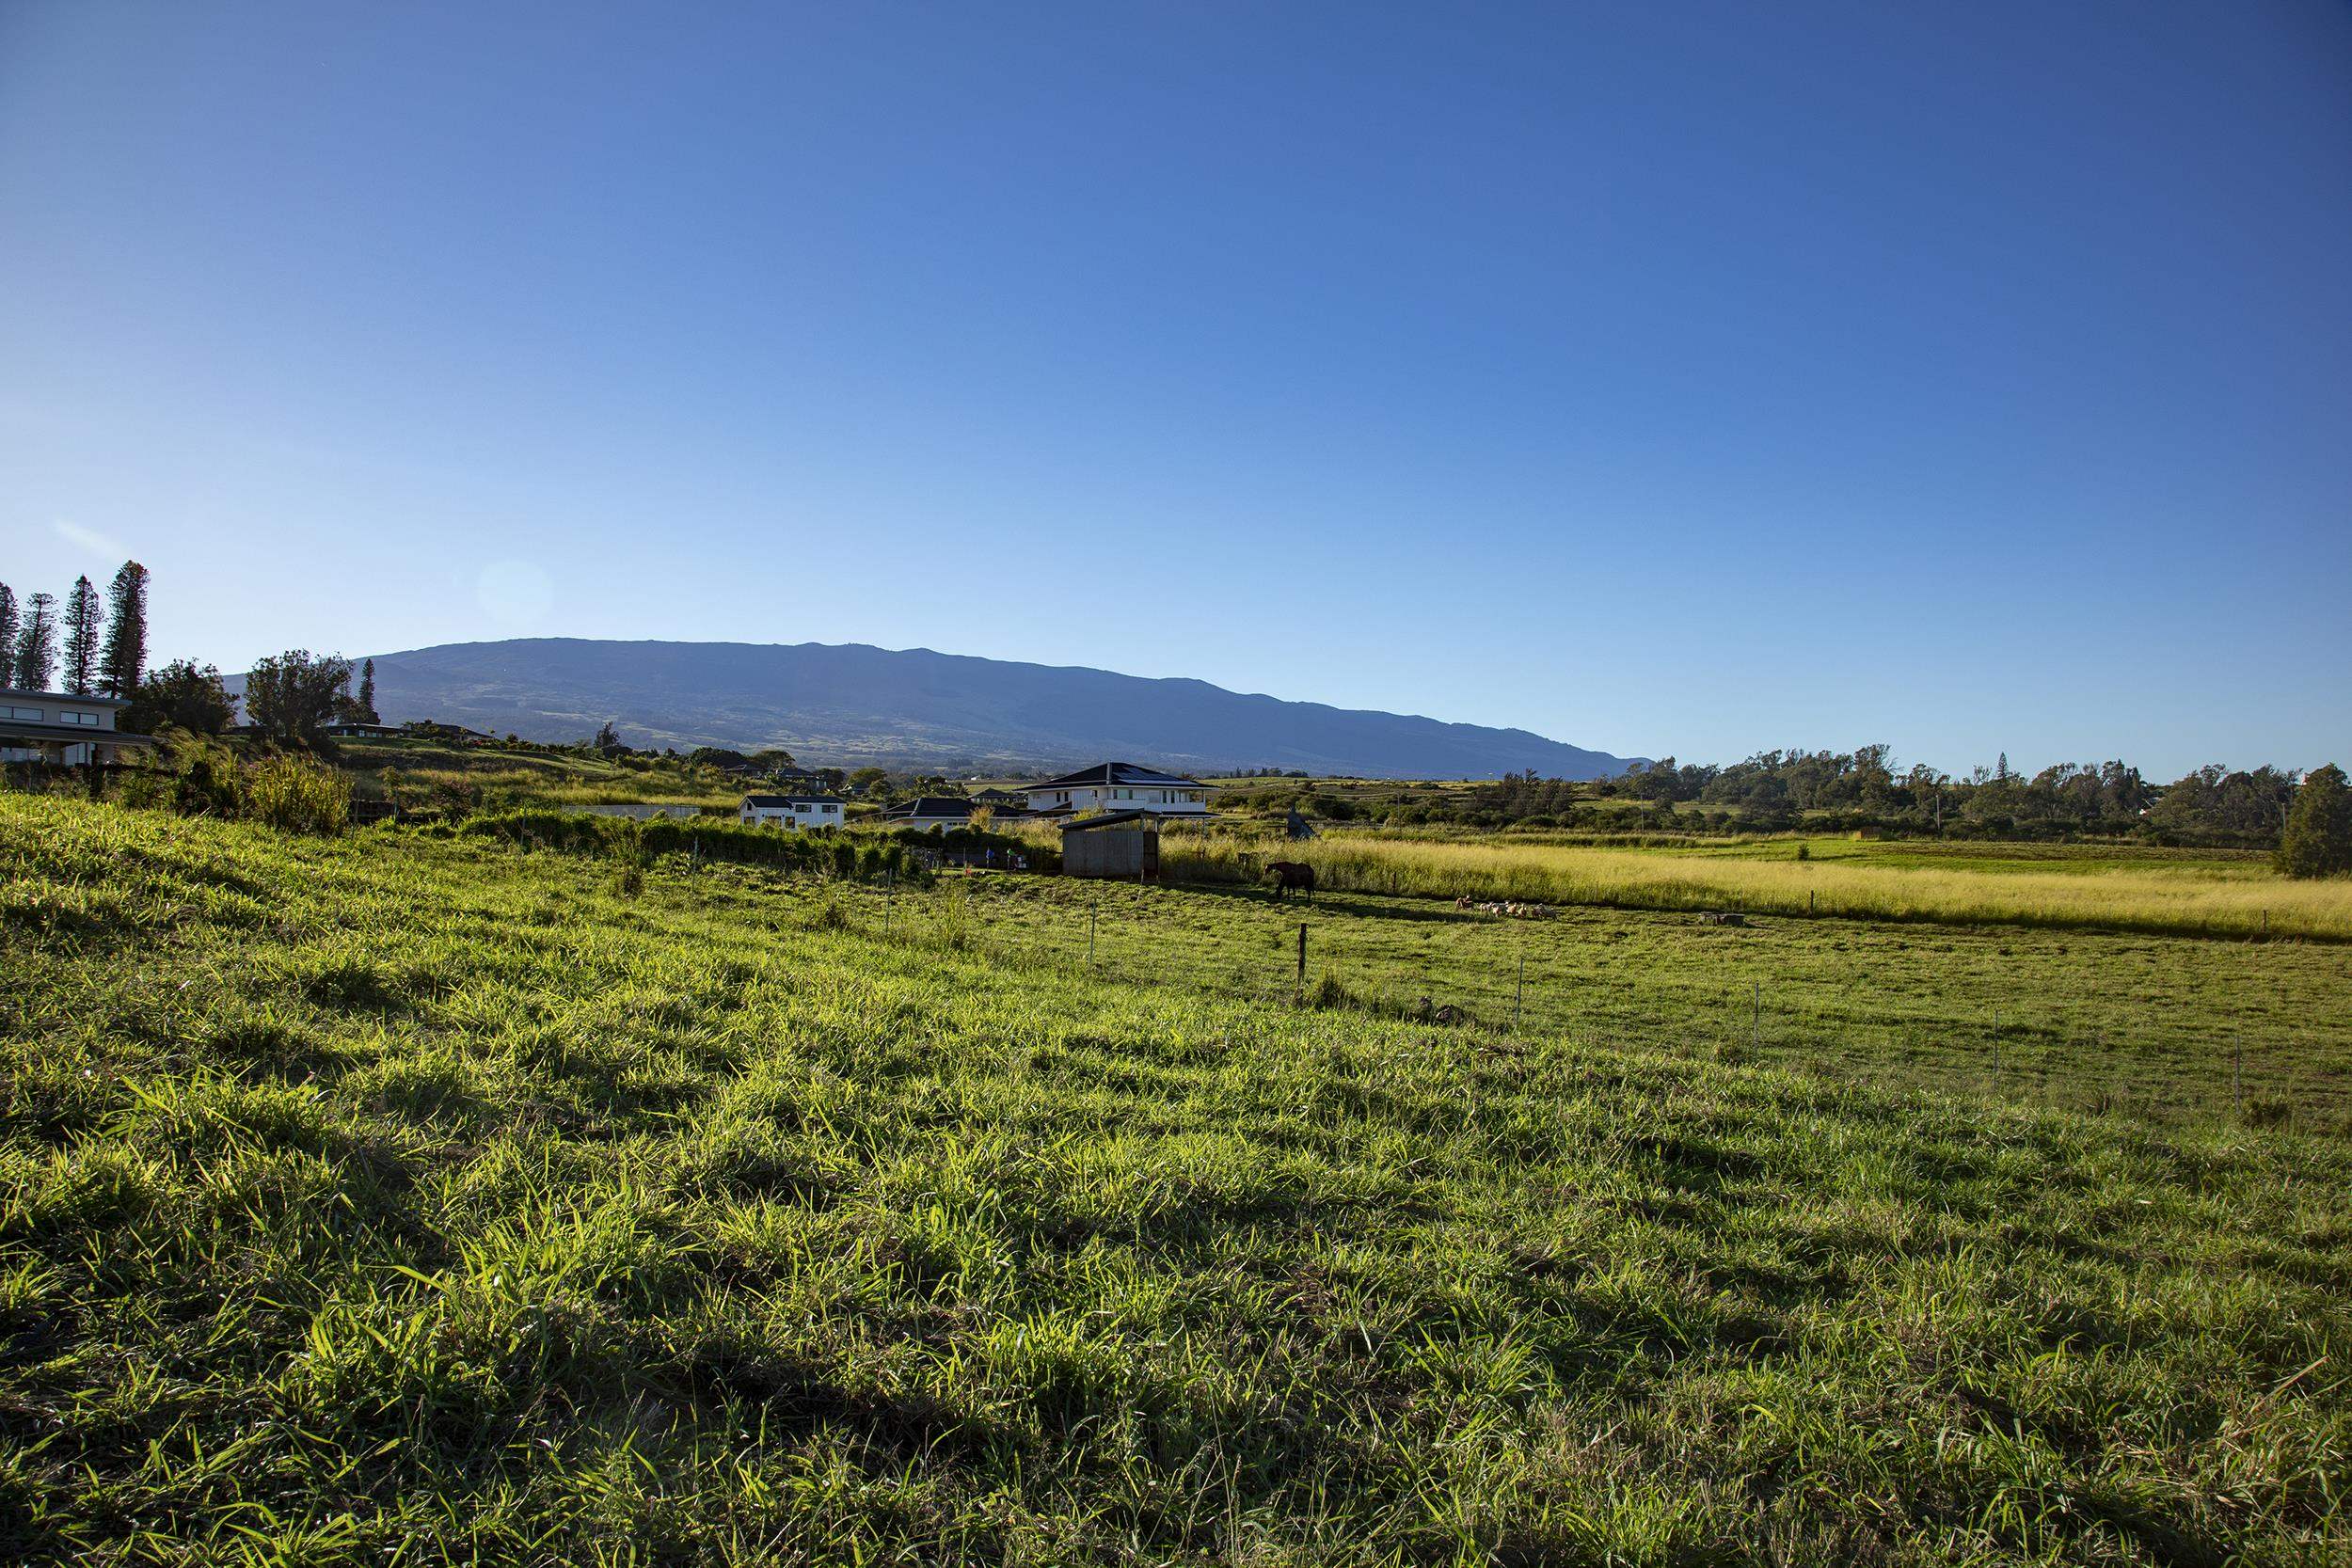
(412, 1198)
(2180, 891)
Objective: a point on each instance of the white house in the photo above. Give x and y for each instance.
(792, 811)
(61, 727)
(1119, 787)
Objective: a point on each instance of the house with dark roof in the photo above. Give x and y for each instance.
(790, 812)
(1119, 787)
(930, 814)
(63, 727)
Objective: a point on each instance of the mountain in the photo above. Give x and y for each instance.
(856, 704)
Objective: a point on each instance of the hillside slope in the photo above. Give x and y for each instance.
(859, 703)
(400, 1200)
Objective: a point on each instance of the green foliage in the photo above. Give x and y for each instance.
(123, 665)
(296, 795)
(2318, 837)
(290, 698)
(398, 1198)
(84, 618)
(192, 775)
(184, 696)
(716, 840)
(35, 661)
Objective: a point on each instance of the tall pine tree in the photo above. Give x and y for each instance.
(37, 643)
(83, 616)
(8, 635)
(367, 693)
(123, 665)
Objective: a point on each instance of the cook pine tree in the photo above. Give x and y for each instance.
(84, 617)
(37, 643)
(123, 664)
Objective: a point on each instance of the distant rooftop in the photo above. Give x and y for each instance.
(1123, 775)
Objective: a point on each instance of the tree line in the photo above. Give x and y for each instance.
(99, 647)
(94, 647)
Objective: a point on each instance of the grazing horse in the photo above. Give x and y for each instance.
(1292, 876)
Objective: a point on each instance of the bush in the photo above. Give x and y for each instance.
(2318, 837)
(295, 795)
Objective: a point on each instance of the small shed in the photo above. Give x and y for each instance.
(1116, 843)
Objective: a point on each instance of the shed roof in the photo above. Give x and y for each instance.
(771, 800)
(1112, 820)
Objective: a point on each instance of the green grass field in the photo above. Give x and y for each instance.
(401, 1200)
(2142, 889)
(498, 778)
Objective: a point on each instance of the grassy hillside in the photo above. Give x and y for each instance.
(494, 778)
(392, 1200)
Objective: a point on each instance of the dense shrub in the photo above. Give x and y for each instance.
(588, 832)
(295, 795)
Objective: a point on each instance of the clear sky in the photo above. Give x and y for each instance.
(1685, 378)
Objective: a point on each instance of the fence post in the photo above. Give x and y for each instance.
(1996, 1050)
(1519, 1004)
(1302, 958)
(1092, 910)
(1756, 1018)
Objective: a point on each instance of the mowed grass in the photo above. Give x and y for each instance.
(394, 1199)
(2191, 894)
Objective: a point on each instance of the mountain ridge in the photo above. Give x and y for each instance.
(857, 703)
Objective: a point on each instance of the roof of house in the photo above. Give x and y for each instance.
(85, 699)
(930, 805)
(1104, 775)
(1111, 819)
(25, 729)
(771, 800)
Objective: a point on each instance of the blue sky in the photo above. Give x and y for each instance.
(1686, 378)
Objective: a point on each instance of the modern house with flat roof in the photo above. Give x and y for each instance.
(61, 727)
(1119, 787)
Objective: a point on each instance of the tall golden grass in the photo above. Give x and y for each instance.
(2235, 900)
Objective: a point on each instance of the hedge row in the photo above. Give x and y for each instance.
(589, 833)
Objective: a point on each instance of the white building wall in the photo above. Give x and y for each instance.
(1166, 799)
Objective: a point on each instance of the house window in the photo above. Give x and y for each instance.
(20, 713)
(76, 716)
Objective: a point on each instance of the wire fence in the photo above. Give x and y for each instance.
(1554, 978)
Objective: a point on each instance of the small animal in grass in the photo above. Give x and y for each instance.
(1508, 909)
(1290, 876)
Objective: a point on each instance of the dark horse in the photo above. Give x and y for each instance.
(1292, 877)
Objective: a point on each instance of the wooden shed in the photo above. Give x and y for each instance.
(1116, 843)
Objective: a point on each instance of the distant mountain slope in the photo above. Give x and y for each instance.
(856, 704)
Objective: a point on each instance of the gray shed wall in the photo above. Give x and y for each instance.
(1110, 852)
